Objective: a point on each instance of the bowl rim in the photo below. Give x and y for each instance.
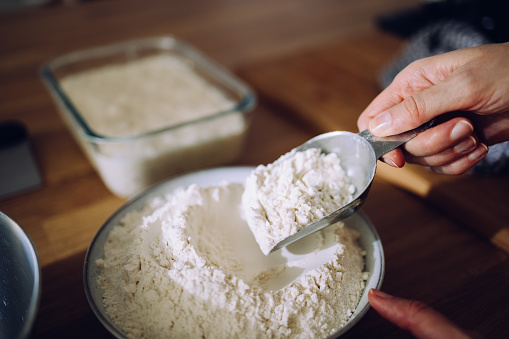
(139, 200)
(28, 245)
(359, 313)
(163, 43)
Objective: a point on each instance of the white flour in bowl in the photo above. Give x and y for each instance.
(188, 266)
(297, 189)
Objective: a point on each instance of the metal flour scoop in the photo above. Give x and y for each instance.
(359, 154)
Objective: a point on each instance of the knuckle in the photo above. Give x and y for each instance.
(414, 108)
(466, 82)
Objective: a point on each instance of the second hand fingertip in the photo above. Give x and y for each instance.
(380, 294)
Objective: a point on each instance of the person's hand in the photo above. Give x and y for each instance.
(414, 316)
(474, 81)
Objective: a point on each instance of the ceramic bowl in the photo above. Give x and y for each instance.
(369, 241)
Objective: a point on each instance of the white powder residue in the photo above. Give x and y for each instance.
(293, 192)
(187, 266)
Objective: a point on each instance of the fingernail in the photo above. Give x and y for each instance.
(461, 130)
(380, 294)
(478, 153)
(380, 123)
(466, 145)
(389, 162)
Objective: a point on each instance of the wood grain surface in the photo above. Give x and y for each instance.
(430, 254)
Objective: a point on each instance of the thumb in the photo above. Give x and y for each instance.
(414, 316)
(416, 109)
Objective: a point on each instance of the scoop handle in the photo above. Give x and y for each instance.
(382, 145)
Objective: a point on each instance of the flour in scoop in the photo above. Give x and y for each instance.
(293, 192)
(188, 266)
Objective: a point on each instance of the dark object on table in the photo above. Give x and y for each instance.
(18, 168)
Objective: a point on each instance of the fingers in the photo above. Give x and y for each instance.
(394, 158)
(449, 148)
(418, 76)
(422, 321)
(386, 99)
(472, 80)
(440, 137)
(417, 109)
(441, 162)
(463, 164)
(445, 157)
(457, 81)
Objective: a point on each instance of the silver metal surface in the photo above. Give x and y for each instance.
(359, 154)
(20, 285)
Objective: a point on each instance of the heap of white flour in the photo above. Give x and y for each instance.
(187, 266)
(291, 193)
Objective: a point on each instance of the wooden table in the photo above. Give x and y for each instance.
(430, 255)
